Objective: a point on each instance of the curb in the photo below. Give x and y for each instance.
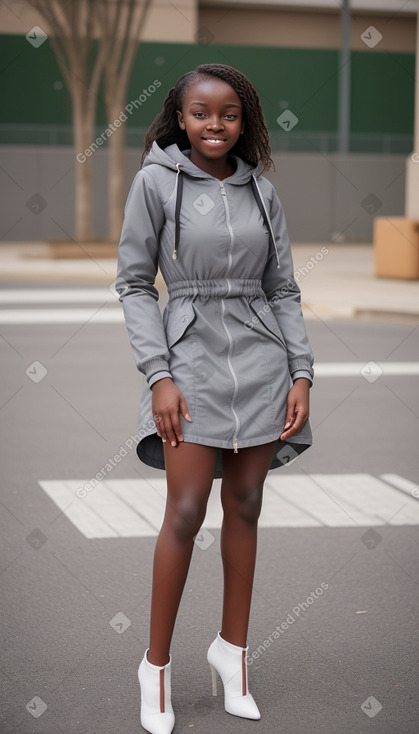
(312, 311)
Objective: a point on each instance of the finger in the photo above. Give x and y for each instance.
(290, 416)
(298, 424)
(177, 429)
(172, 436)
(184, 409)
(289, 420)
(165, 426)
(158, 423)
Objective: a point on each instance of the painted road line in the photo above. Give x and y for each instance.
(128, 508)
(57, 295)
(369, 370)
(85, 519)
(368, 500)
(148, 503)
(62, 315)
(345, 499)
(101, 513)
(405, 485)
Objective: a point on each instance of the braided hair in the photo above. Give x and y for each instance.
(252, 146)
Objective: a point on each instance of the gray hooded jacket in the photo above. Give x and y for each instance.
(232, 335)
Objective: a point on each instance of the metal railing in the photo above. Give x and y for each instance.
(308, 141)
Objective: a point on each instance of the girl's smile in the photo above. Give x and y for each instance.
(212, 117)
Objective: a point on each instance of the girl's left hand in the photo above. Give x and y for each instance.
(297, 408)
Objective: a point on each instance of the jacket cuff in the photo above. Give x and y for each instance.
(305, 363)
(158, 364)
(158, 376)
(302, 373)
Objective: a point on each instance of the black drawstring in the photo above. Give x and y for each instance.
(177, 211)
(262, 210)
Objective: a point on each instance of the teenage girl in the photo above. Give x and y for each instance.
(227, 365)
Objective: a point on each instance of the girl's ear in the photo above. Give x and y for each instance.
(242, 130)
(180, 119)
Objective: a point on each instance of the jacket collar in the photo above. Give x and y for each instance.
(172, 157)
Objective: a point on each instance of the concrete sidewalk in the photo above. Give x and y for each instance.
(336, 280)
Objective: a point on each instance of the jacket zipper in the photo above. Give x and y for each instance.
(229, 261)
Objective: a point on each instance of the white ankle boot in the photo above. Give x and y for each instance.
(229, 661)
(157, 716)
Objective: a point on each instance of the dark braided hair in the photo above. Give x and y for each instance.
(252, 146)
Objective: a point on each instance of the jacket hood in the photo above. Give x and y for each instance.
(172, 155)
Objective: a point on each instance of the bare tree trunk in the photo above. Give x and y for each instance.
(81, 57)
(83, 125)
(124, 25)
(72, 25)
(117, 170)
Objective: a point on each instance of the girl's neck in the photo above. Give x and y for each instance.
(221, 168)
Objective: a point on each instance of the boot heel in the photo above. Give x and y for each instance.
(214, 680)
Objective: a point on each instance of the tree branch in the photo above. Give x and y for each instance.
(132, 47)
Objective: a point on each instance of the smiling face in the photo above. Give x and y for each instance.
(212, 117)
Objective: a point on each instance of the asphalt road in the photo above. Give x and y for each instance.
(75, 609)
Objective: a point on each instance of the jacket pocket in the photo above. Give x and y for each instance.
(266, 317)
(177, 320)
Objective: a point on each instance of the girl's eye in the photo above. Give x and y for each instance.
(201, 115)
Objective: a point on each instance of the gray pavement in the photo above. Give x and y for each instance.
(75, 609)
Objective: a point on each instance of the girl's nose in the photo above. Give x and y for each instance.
(215, 124)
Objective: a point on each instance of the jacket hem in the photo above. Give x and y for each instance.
(150, 449)
(190, 438)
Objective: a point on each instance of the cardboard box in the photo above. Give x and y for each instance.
(396, 247)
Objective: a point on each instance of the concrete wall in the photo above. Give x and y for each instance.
(278, 26)
(257, 23)
(166, 20)
(322, 194)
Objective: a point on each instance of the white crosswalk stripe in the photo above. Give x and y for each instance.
(126, 508)
(95, 314)
(57, 295)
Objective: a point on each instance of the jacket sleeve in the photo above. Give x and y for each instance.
(284, 296)
(136, 273)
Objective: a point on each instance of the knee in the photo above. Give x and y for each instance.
(250, 507)
(187, 517)
(248, 504)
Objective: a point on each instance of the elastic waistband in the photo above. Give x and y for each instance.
(222, 287)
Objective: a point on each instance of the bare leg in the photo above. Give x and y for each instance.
(190, 471)
(241, 496)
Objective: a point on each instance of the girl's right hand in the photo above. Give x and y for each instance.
(167, 400)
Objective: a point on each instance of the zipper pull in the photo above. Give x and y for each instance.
(236, 451)
(223, 191)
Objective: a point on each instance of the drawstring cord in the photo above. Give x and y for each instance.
(179, 189)
(265, 215)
